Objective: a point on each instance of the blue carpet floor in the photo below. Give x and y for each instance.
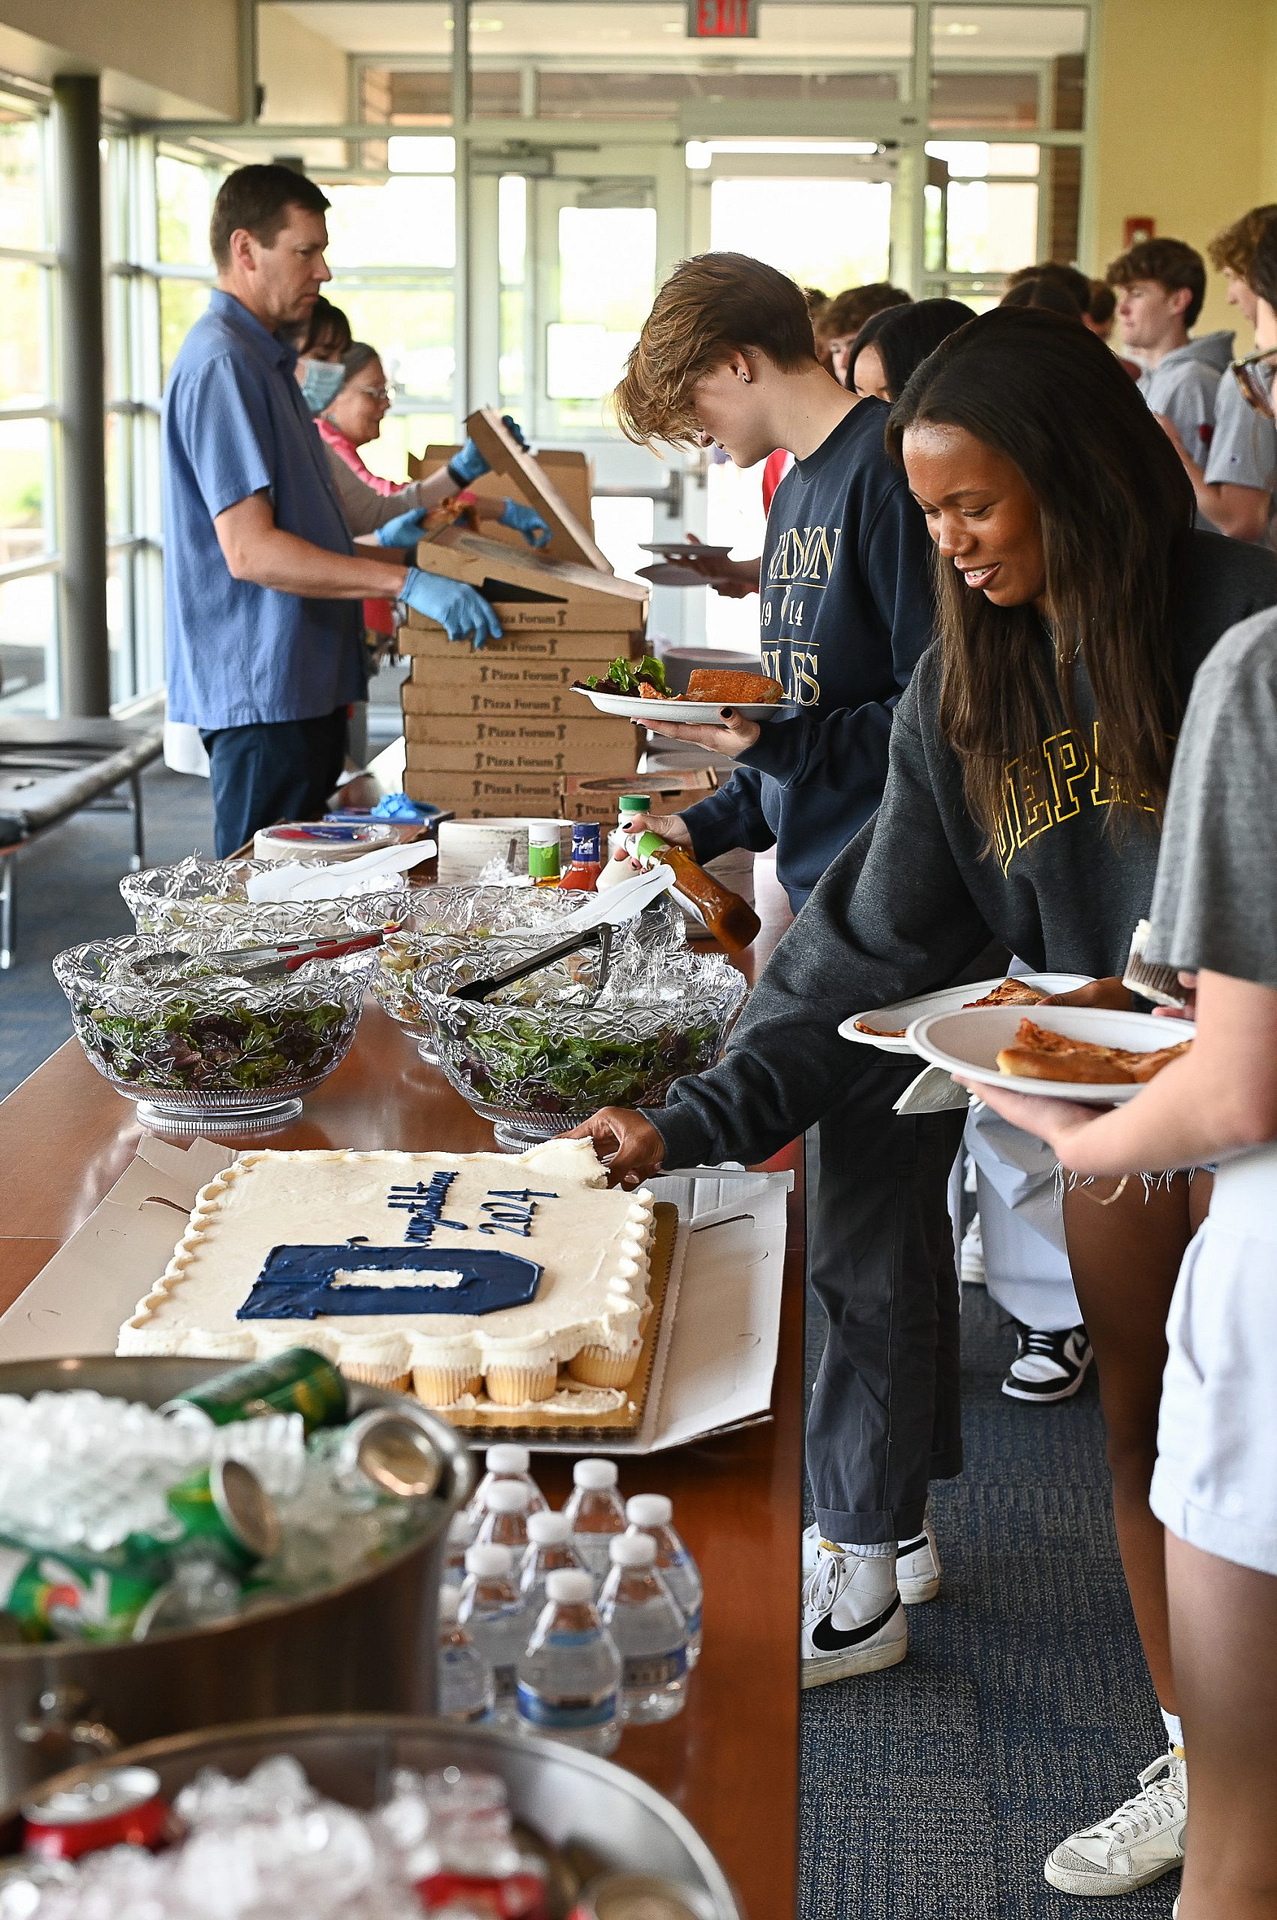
(68, 890)
(935, 1790)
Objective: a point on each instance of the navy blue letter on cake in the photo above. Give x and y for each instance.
(298, 1283)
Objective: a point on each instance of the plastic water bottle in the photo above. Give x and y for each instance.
(644, 1620)
(503, 1463)
(460, 1536)
(492, 1609)
(466, 1687)
(595, 1513)
(549, 1550)
(505, 1524)
(570, 1675)
(653, 1513)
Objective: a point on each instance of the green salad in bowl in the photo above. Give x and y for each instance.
(196, 1042)
(542, 1055)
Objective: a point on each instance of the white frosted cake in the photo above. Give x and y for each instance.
(470, 1273)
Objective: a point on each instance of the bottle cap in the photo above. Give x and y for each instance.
(569, 1586)
(594, 1475)
(649, 1510)
(634, 803)
(448, 1601)
(543, 833)
(507, 1496)
(490, 1562)
(548, 1529)
(628, 1550)
(507, 1459)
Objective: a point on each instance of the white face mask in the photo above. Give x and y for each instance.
(321, 382)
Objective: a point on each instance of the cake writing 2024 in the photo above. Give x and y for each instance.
(301, 1282)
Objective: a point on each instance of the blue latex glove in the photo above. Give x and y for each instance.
(469, 465)
(403, 531)
(528, 522)
(462, 612)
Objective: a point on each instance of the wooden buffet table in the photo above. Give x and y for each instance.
(730, 1760)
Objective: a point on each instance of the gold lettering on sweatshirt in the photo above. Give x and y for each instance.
(1051, 784)
(799, 566)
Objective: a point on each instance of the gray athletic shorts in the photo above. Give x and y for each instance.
(1215, 1483)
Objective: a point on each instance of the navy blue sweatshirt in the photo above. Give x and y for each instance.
(846, 611)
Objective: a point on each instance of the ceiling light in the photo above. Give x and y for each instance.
(960, 29)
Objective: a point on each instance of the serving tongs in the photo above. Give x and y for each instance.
(262, 963)
(487, 984)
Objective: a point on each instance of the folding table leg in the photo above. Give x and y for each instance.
(8, 908)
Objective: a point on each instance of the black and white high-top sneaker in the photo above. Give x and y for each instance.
(1047, 1366)
(853, 1620)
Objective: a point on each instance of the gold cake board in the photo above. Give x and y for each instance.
(627, 1419)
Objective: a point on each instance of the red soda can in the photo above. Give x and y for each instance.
(117, 1807)
(506, 1896)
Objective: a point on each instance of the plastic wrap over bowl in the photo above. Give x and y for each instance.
(442, 923)
(194, 1046)
(200, 903)
(549, 1051)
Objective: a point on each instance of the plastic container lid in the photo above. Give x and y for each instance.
(490, 1562)
(507, 1459)
(634, 803)
(449, 1599)
(628, 1550)
(507, 1496)
(649, 1510)
(569, 1585)
(594, 1475)
(549, 1529)
(543, 834)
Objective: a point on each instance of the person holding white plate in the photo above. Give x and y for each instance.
(1214, 1488)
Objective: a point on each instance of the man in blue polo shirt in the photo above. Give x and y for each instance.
(262, 582)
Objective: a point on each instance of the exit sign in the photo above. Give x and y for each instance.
(722, 19)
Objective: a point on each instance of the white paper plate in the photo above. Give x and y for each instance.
(684, 713)
(969, 1042)
(678, 549)
(671, 573)
(947, 1000)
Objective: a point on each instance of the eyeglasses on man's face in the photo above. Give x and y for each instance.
(1254, 375)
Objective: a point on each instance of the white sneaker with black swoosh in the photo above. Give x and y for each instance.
(853, 1619)
(1136, 1845)
(917, 1563)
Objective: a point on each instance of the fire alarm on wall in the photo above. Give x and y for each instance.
(1137, 229)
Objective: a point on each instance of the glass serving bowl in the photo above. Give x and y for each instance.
(201, 902)
(195, 1048)
(546, 1053)
(444, 922)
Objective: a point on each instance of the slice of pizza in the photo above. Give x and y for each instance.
(1039, 1054)
(1011, 993)
(880, 1033)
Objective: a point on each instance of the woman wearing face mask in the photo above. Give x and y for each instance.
(892, 343)
(1029, 763)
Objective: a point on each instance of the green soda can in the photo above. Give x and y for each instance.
(226, 1509)
(79, 1597)
(295, 1381)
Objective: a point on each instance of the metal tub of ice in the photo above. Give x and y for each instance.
(286, 1848)
(363, 1640)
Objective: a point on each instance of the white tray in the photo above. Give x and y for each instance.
(968, 1043)
(947, 1000)
(682, 713)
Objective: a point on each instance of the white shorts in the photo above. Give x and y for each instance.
(1215, 1482)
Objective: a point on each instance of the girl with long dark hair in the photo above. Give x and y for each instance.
(1029, 765)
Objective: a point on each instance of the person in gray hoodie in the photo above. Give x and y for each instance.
(1162, 286)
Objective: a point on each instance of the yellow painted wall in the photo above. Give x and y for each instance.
(1187, 122)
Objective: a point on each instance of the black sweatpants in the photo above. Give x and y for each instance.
(885, 1416)
(277, 770)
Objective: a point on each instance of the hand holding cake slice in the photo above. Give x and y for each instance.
(460, 1273)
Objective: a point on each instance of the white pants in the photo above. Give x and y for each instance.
(1215, 1482)
(1019, 1195)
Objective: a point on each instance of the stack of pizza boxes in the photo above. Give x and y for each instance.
(496, 731)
